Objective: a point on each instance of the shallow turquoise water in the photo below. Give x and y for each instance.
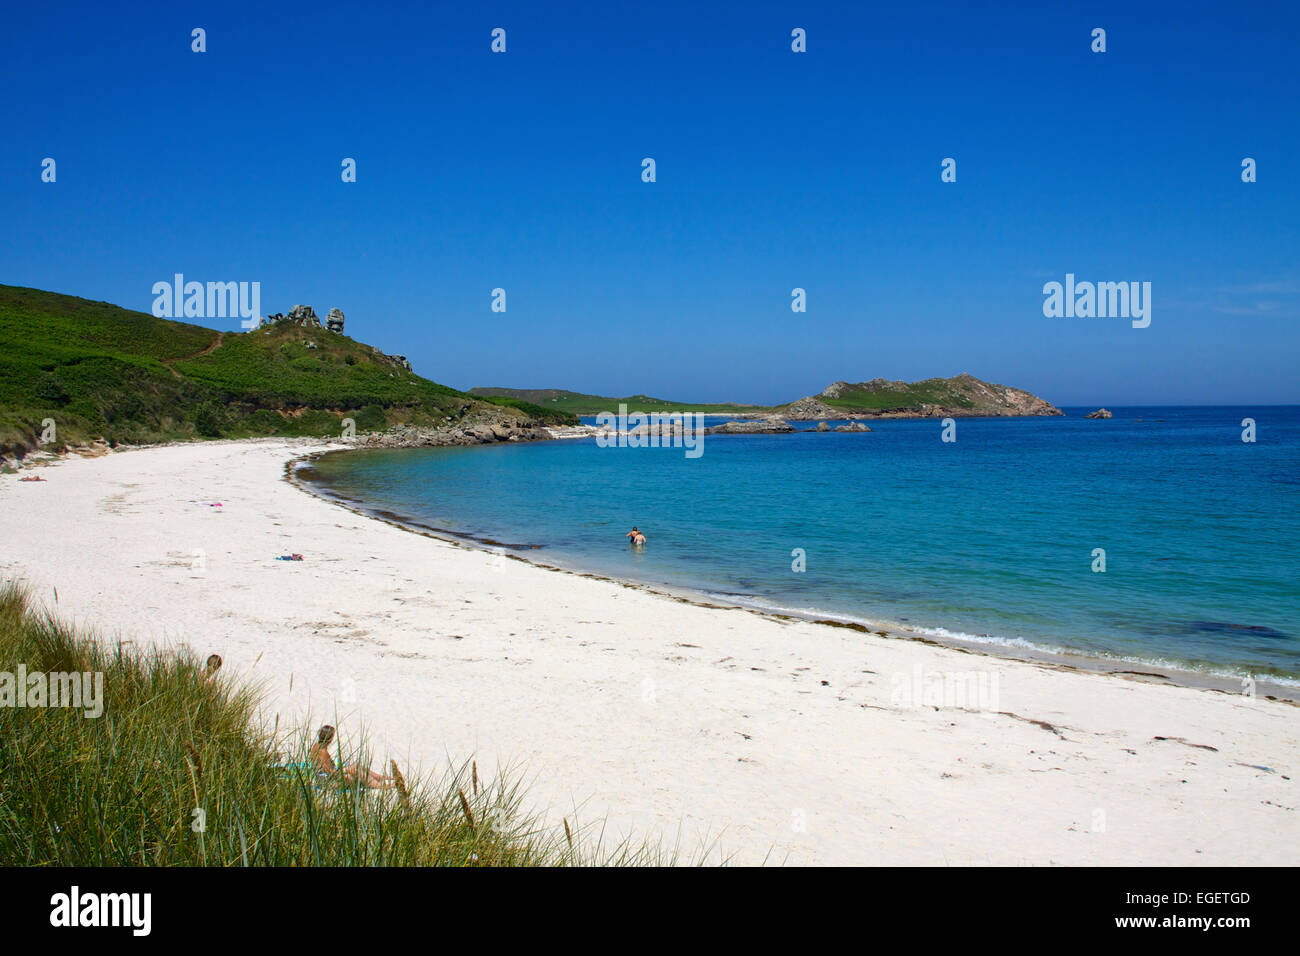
(990, 537)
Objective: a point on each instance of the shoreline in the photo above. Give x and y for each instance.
(750, 736)
(1152, 671)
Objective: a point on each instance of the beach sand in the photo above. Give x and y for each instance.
(758, 738)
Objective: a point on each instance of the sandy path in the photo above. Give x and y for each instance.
(664, 717)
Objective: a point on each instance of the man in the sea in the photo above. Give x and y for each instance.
(638, 539)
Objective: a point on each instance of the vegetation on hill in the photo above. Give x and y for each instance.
(528, 408)
(576, 403)
(961, 394)
(882, 394)
(122, 788)
(98, 370)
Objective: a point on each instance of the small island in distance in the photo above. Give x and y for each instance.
(957, 397)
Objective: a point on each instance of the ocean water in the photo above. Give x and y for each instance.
(989, 538)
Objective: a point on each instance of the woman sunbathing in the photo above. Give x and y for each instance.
(352, 773)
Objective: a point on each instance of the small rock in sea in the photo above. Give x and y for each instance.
(771, 425)
(1099, 413)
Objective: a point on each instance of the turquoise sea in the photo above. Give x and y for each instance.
(987, 538)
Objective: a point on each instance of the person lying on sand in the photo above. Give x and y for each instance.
(352, 773)
(638, 539)
(213, 665)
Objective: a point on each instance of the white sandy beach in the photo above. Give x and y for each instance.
(681, 723)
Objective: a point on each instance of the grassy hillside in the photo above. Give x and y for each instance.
(882, 395)
(960, 395)
(101, 371)
(576, 403)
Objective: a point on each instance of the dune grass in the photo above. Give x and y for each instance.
(122, 788)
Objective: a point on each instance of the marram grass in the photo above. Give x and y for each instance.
(122, 789)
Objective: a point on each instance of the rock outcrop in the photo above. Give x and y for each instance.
(305, 316)
(810, 410)
(664, 431)
(851, 427)
(465, 433)
(1099, 413)
(398, 360)
(755, 426)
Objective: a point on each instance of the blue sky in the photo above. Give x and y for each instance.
(775, 170)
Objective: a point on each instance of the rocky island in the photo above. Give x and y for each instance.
(962, 396)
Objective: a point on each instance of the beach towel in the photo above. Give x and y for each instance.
(306, 771)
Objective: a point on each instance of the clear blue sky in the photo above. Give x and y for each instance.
(775, 170)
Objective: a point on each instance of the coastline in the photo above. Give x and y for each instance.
(1131, 668)
(756, 736)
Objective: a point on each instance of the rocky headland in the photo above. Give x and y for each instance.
(963, 396)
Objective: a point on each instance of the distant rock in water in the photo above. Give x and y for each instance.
(960, 396)
(823, 427)
(756, 426)
(850, 427)
(662, 430)
(1099, 413)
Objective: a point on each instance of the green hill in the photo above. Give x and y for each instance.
(99, 370)
(961, 395)
(882, 395)
(577, 403)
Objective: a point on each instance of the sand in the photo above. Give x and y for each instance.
(727, 733)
